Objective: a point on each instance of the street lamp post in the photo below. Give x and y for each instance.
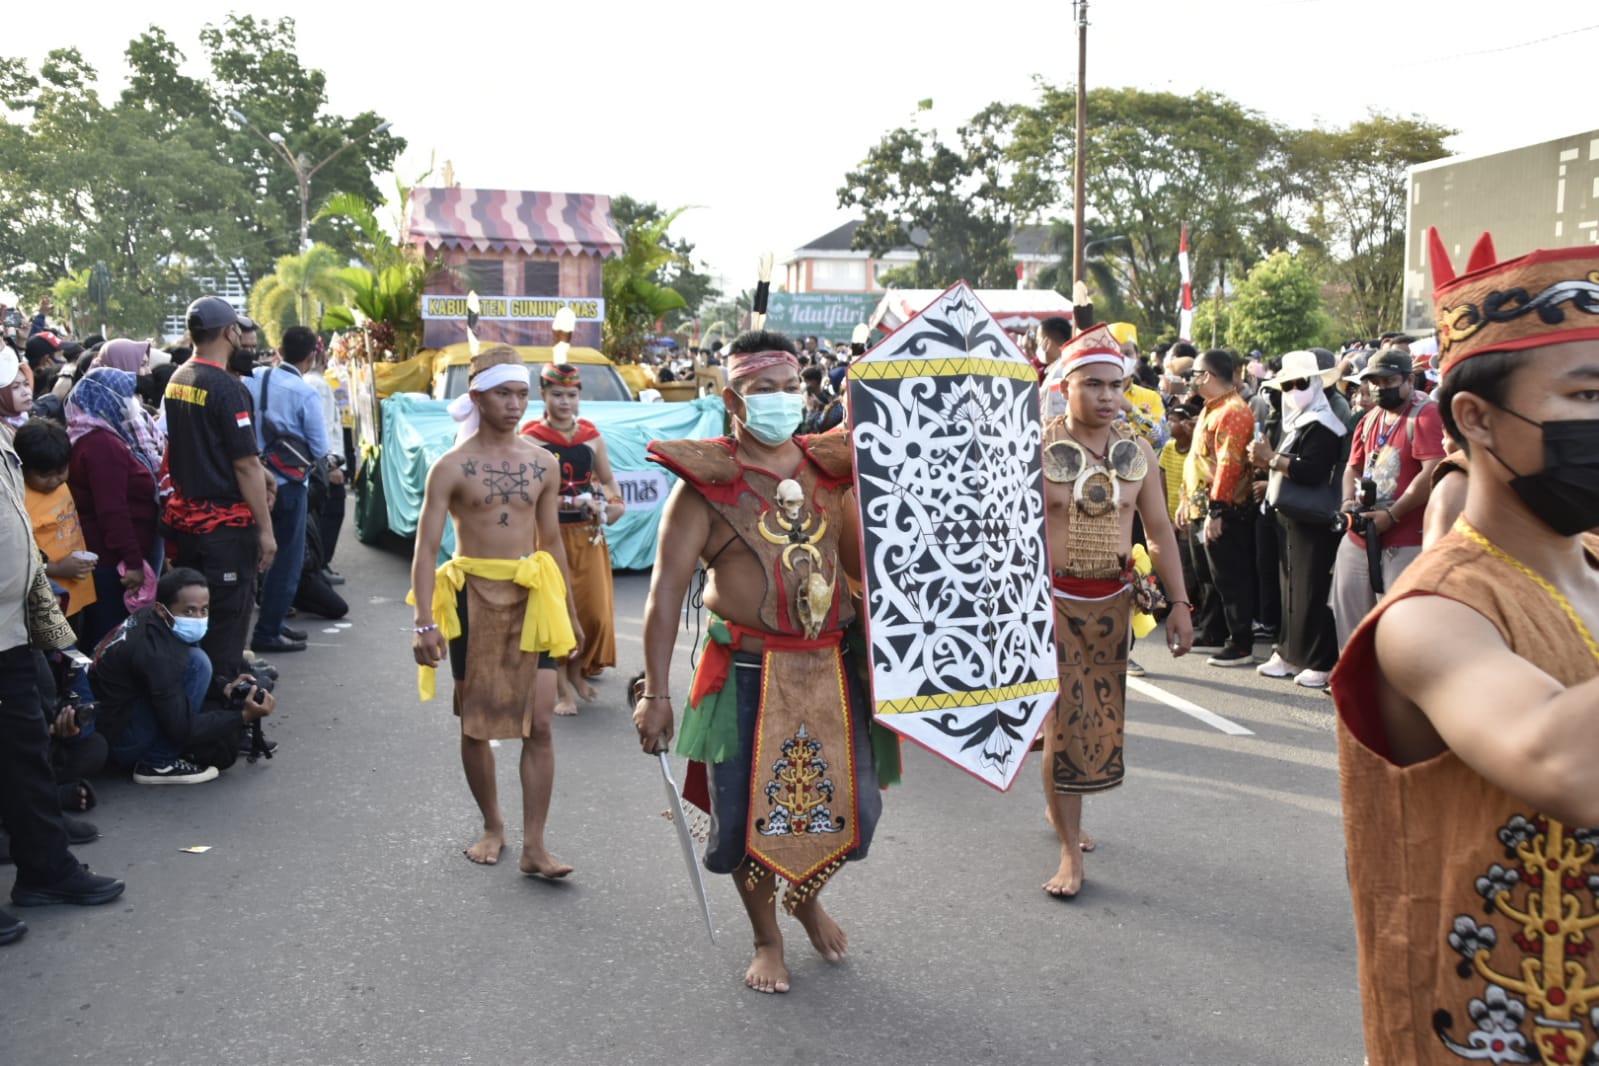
(303, 173)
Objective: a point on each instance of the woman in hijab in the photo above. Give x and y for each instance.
(1308, 454)
(16, 399)
(116, 456)
(123, 354)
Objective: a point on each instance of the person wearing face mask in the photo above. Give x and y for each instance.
(771, 515)
(1468, 701)
(1307, 454)
(218, 518)
(1395, 447)
(152, 682)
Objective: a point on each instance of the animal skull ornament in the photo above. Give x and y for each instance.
(815, 600)
(791, 500)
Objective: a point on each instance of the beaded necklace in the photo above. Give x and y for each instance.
(1465, 529)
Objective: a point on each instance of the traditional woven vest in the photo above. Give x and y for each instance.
(1475, 914)
(795, 538)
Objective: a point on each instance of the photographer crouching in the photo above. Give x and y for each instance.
(153, 681)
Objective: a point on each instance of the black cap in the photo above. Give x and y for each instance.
(42, 346)
(210, 312)
(1389, 361)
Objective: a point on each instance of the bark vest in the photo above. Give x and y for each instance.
(1475, 914)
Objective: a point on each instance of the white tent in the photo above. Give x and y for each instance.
(1012, 308)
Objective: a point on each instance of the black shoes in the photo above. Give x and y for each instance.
(332, 577)
(292, 633)
(279, 643)
(11, 928)
(83, 888)
(172, 772)
(1233, 655)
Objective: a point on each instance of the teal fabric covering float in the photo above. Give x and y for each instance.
(417, 430)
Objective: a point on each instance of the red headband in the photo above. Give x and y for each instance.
(744, 364)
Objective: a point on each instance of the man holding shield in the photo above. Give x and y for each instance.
(1097, 474)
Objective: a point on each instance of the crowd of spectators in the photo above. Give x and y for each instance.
(1299, 485)
(171, 511)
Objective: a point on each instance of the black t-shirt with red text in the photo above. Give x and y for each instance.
(209, 425)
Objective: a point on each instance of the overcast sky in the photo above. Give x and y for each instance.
(753, 112)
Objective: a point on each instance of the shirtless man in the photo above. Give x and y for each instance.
(504, 614)
(769, 513)
(1097, 473)
(590, 500)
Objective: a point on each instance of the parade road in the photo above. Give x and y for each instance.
(334, 919)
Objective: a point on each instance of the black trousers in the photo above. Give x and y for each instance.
(29, 805)
(1269, 606)
(227, 557)
(1307, 552)
(1227, 568)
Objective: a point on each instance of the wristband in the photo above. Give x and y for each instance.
(1181, 603)
(1389, 512)
(650, 696)
(426, 629)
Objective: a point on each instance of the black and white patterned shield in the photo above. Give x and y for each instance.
(949, 479)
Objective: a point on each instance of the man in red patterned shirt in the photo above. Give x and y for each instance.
(1216, 507)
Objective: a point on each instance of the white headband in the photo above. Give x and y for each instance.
(464, 411)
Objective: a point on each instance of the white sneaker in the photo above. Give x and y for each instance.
(1311, 679)
(1276, 666)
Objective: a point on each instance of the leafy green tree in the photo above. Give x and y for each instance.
(1359, 173)
(1157, 161)
(1277, 308)
(634, 300)
(955, 204)
(256, 70)
(680, 273)
(159, 184)
(85, 182)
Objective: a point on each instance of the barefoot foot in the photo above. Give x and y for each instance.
(1085, 839)
(585, 691)
(826, 936)
(541, 863)
(767, 973)
(565, 706)
(486, 852)
(1068, 880)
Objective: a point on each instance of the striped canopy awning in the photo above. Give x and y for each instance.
(505, 220)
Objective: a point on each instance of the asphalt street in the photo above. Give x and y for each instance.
(334, 919)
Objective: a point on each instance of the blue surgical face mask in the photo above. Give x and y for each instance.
(773, 416)
(190, 630)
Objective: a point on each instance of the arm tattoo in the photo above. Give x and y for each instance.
(503, 483)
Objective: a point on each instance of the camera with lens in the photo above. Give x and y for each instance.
(1358, 522)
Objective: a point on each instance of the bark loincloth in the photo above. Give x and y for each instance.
(1083, 736)
(518, 618)
(589, 563)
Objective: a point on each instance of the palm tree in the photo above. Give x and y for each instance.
(297, 293)
(633, 301)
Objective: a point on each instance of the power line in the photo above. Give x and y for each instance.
(1509, 47)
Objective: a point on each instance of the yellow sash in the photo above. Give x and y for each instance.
(546, 625)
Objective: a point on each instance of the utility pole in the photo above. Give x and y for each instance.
(1079, 159)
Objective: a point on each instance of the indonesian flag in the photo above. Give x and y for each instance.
(1021, 274)
(1185, 318)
